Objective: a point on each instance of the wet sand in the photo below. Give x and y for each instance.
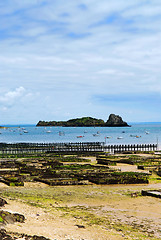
(85, 212)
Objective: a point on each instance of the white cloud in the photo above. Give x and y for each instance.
(58, 49)
(11, 97)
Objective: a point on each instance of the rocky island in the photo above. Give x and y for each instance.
(113, 121)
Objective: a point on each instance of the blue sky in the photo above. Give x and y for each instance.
(65, 59)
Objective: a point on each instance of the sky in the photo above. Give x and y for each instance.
(64, 59)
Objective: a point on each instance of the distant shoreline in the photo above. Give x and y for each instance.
(34, 124)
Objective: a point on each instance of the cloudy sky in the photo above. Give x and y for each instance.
(62, 59)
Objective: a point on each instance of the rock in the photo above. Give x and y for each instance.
(116, 121)
(13, 236)
(7, 217)
(4, 235)
(19, 217)
(39, 238)
(80, 226)
(2, 202)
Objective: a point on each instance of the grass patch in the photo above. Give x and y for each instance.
(154, 178)
(1, 219)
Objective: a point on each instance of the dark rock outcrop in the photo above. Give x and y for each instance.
(7, 217)
(4, 235)
(2, 202)
(115, 121)
(39, 238)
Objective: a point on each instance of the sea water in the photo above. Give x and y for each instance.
(138, 133)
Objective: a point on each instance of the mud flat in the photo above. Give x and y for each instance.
(89, 212)
(84, 212)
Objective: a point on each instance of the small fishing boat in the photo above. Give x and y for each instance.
(95, 135)
(119, 137)
(136, 136)
(147, 132)
(48, 131)
(61, 133)
(80, 136)
(25, 131)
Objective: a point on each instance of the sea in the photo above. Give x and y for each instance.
(138, 133)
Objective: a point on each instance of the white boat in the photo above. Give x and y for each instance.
(147, 132)
(48, 131)
(95, 135)
(119, 137)
(25, 131)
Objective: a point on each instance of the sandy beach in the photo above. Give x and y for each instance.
(84, 212)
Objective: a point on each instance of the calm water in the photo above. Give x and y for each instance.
(136, 134)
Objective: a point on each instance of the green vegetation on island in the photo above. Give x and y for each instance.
(113, 121)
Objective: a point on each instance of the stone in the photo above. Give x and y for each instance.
(2, 202)
(39, 238)
(115, 121)
(4, 235)
(10, 218)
